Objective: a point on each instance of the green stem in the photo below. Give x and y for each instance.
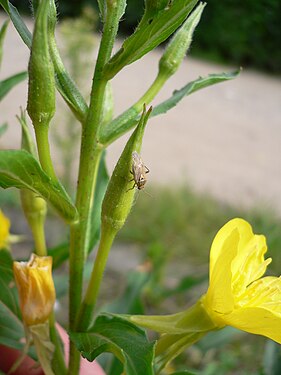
(89, 161)
(152, 91)
(41, 133)
(38, 234)
(125, 121)
(87, 308)
(58, 363)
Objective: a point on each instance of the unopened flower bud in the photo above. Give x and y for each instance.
(177, 48)
(119, 196)
(36, 289)
(41, 87)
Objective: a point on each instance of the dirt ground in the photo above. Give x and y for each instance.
(225, 140)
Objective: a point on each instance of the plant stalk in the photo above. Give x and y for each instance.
(89, 161)
(85, 315)
(41, 134)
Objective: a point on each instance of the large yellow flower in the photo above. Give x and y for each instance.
(238, 295)
(4, 230)
(36, 289)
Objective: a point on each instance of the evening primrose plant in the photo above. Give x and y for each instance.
(237, 295)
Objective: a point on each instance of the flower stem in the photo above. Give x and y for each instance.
(41, 133)
(87, 308)
(124, 122)
(38, 234)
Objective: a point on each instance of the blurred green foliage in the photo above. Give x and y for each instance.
(182, 224)
(245, 33)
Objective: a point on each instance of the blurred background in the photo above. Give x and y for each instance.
(213, 157)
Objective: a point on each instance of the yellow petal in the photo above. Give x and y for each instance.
(4, 230)
(217, 248)
(219, 296)
(36, 288)
(249, 264)
(257, 320)
(265, 293)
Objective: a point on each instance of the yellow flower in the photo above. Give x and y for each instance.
(36, 289)
(238, 295)
(4, 230)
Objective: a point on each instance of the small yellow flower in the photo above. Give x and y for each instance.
(238, 295)
(4, 230)
(36, 289)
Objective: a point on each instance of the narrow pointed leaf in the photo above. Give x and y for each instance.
(18, 22)
(20, 169)
(3, 31)
(149, 34)
(130, 118)
(192, 87)
(115, 335)
(7, 84)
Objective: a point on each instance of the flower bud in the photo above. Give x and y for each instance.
(120, 194)
(4, 230)
(177, 48)
(36, 289)
(41, 87)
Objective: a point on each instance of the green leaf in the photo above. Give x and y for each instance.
(17, 21)
(190, 88)
(101, 185)
(130, 118)
(7, 84)
(153, 29)
(20, 169)
(11, 327)
(115, 335)
(3, 31)
(3, 128)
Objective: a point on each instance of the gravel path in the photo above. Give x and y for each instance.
(225, 140)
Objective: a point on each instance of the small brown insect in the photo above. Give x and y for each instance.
(139, 170)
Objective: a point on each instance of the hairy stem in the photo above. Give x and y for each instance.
(89, 162)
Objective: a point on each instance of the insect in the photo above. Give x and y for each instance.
(139, 170)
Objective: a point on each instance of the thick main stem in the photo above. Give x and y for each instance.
(89, 161)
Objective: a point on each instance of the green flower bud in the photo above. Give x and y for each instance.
(177, 48)
(120, 193)
(41, 88)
